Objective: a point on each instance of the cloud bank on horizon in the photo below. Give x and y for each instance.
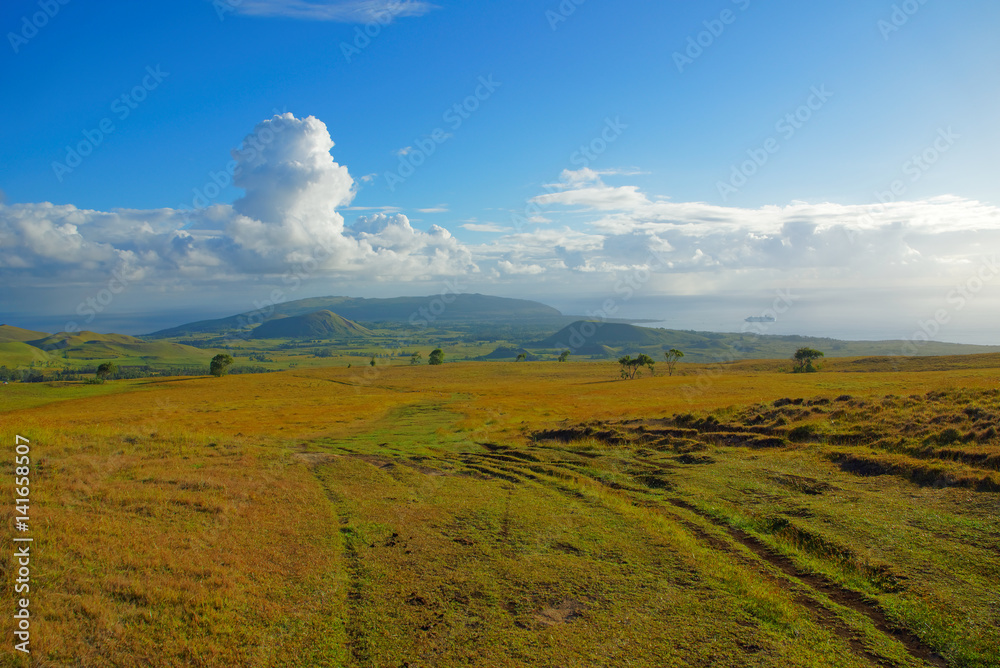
(582, 234)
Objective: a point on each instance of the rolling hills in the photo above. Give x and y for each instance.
(603, 340)
(21, 347)
(64, 340)
(451, 308)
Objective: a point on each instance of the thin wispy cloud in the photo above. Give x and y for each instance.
(342, 11)
(485, 227)
(380, 209)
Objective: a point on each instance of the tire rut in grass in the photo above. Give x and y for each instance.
(822, 615)
(356, 644)
(840, 595)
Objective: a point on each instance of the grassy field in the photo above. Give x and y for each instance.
(502, 514)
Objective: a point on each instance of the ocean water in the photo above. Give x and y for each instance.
(871, 317)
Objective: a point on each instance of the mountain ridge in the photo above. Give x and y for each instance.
(417, 311)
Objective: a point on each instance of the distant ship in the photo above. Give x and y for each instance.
(761, 318)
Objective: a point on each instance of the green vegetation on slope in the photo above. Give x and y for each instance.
(11, 333)
(316, 325)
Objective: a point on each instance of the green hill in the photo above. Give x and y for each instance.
(137, 352)
(11, 333)
(507, 353)
(64, 340)
(418, 311)
(318, 325)
(586, 337)
(18, 353)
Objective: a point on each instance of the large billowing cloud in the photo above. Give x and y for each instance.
(288, 217)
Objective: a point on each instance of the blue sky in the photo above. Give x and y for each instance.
(873, 84)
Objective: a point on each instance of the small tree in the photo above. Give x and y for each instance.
(416, 357)
(648, 362)
(436, 357)
(373, 361)
(630, 367)
(106, 370)
(803, 358)
(521, 357)
(564, 356)
(672, 356)
(220, 364)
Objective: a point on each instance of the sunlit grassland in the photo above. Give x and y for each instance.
(175, 548)
(421, 516)
(17, 396)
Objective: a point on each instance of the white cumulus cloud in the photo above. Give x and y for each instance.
(288, 216)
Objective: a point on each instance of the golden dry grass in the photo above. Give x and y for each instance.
(350, 517)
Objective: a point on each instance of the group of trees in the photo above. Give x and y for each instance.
(20, 375)
(630, 366)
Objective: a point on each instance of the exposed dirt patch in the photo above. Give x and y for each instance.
(562, 612)
(314, 458)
